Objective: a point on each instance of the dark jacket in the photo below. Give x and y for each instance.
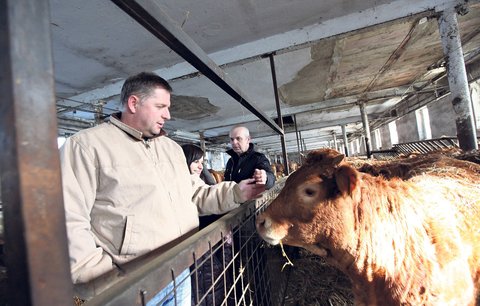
(242, 167)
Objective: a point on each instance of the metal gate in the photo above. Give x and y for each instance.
(226, 264)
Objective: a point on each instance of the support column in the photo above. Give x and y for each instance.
(366, 129)
(457, 80)
(302, 146)
(202, 143)
(335, 144)
(279, 115)
(345, 140)
(297, 136)
(36, 249)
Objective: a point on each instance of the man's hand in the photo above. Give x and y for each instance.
(249, 189)
(260, 176)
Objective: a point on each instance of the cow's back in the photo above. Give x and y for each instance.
(413, 241)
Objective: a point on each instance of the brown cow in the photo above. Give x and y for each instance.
(414, 242)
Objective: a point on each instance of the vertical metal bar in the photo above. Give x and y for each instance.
(457, 79)
(202, 143)
(297, 136)
(335, 144)
(302, 143)
(286, 171)
(366, 128)
(345, 139)
(34, 219)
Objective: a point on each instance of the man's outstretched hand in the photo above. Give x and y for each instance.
(260, 176)
(249, 189)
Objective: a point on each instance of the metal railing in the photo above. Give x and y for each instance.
(420, 146)
(425, 146)
(226, 263)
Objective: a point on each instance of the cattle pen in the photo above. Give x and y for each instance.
(409, 71)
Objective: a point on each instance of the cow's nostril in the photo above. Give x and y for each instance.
(260, 221)
(263, 222)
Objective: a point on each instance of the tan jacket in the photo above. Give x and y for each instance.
(125, 196)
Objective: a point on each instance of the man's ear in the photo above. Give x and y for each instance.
(347, 179)
(132, 103)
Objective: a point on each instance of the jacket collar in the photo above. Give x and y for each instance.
(115, 120)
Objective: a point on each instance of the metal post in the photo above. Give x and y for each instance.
(279, 114)
(457, 80)
(202, 142)
(345, 140)
(297, 136)
(36, 252)
(302, 148)
(366, 129)
(335, 144)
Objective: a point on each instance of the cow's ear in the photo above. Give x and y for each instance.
(338, 159)
(347, 179)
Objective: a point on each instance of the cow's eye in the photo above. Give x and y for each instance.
(309, 192)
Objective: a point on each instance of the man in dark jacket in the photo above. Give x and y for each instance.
(245, 162)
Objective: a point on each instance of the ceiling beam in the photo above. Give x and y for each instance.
(149, 14)
(291, 40)
(326, 105)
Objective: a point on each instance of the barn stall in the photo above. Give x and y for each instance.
(330, 91)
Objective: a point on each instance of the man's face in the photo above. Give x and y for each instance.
(152, 113)
(239, 141)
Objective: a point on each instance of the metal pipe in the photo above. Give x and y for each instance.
(279, 114)
(345, 139)
(335, 144)
(298, 138)
(366, 128)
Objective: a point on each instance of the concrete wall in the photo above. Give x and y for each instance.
(407, 128)
(217, 160)
(442, 123)
(385, 134)
(442, 118)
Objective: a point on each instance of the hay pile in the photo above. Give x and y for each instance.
(313, 282)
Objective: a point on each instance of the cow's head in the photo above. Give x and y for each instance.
(308, 212)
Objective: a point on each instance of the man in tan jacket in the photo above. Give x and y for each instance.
(127, 188)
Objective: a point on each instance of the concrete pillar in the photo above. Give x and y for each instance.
(457, 80)
(335, 144)
(366, 129)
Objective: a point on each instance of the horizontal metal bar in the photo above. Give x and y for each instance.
(149, 14)
(151, 272)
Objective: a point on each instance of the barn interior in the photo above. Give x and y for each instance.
(337, 73)
(318, 61)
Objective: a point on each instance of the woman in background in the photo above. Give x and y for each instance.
(194, 156)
